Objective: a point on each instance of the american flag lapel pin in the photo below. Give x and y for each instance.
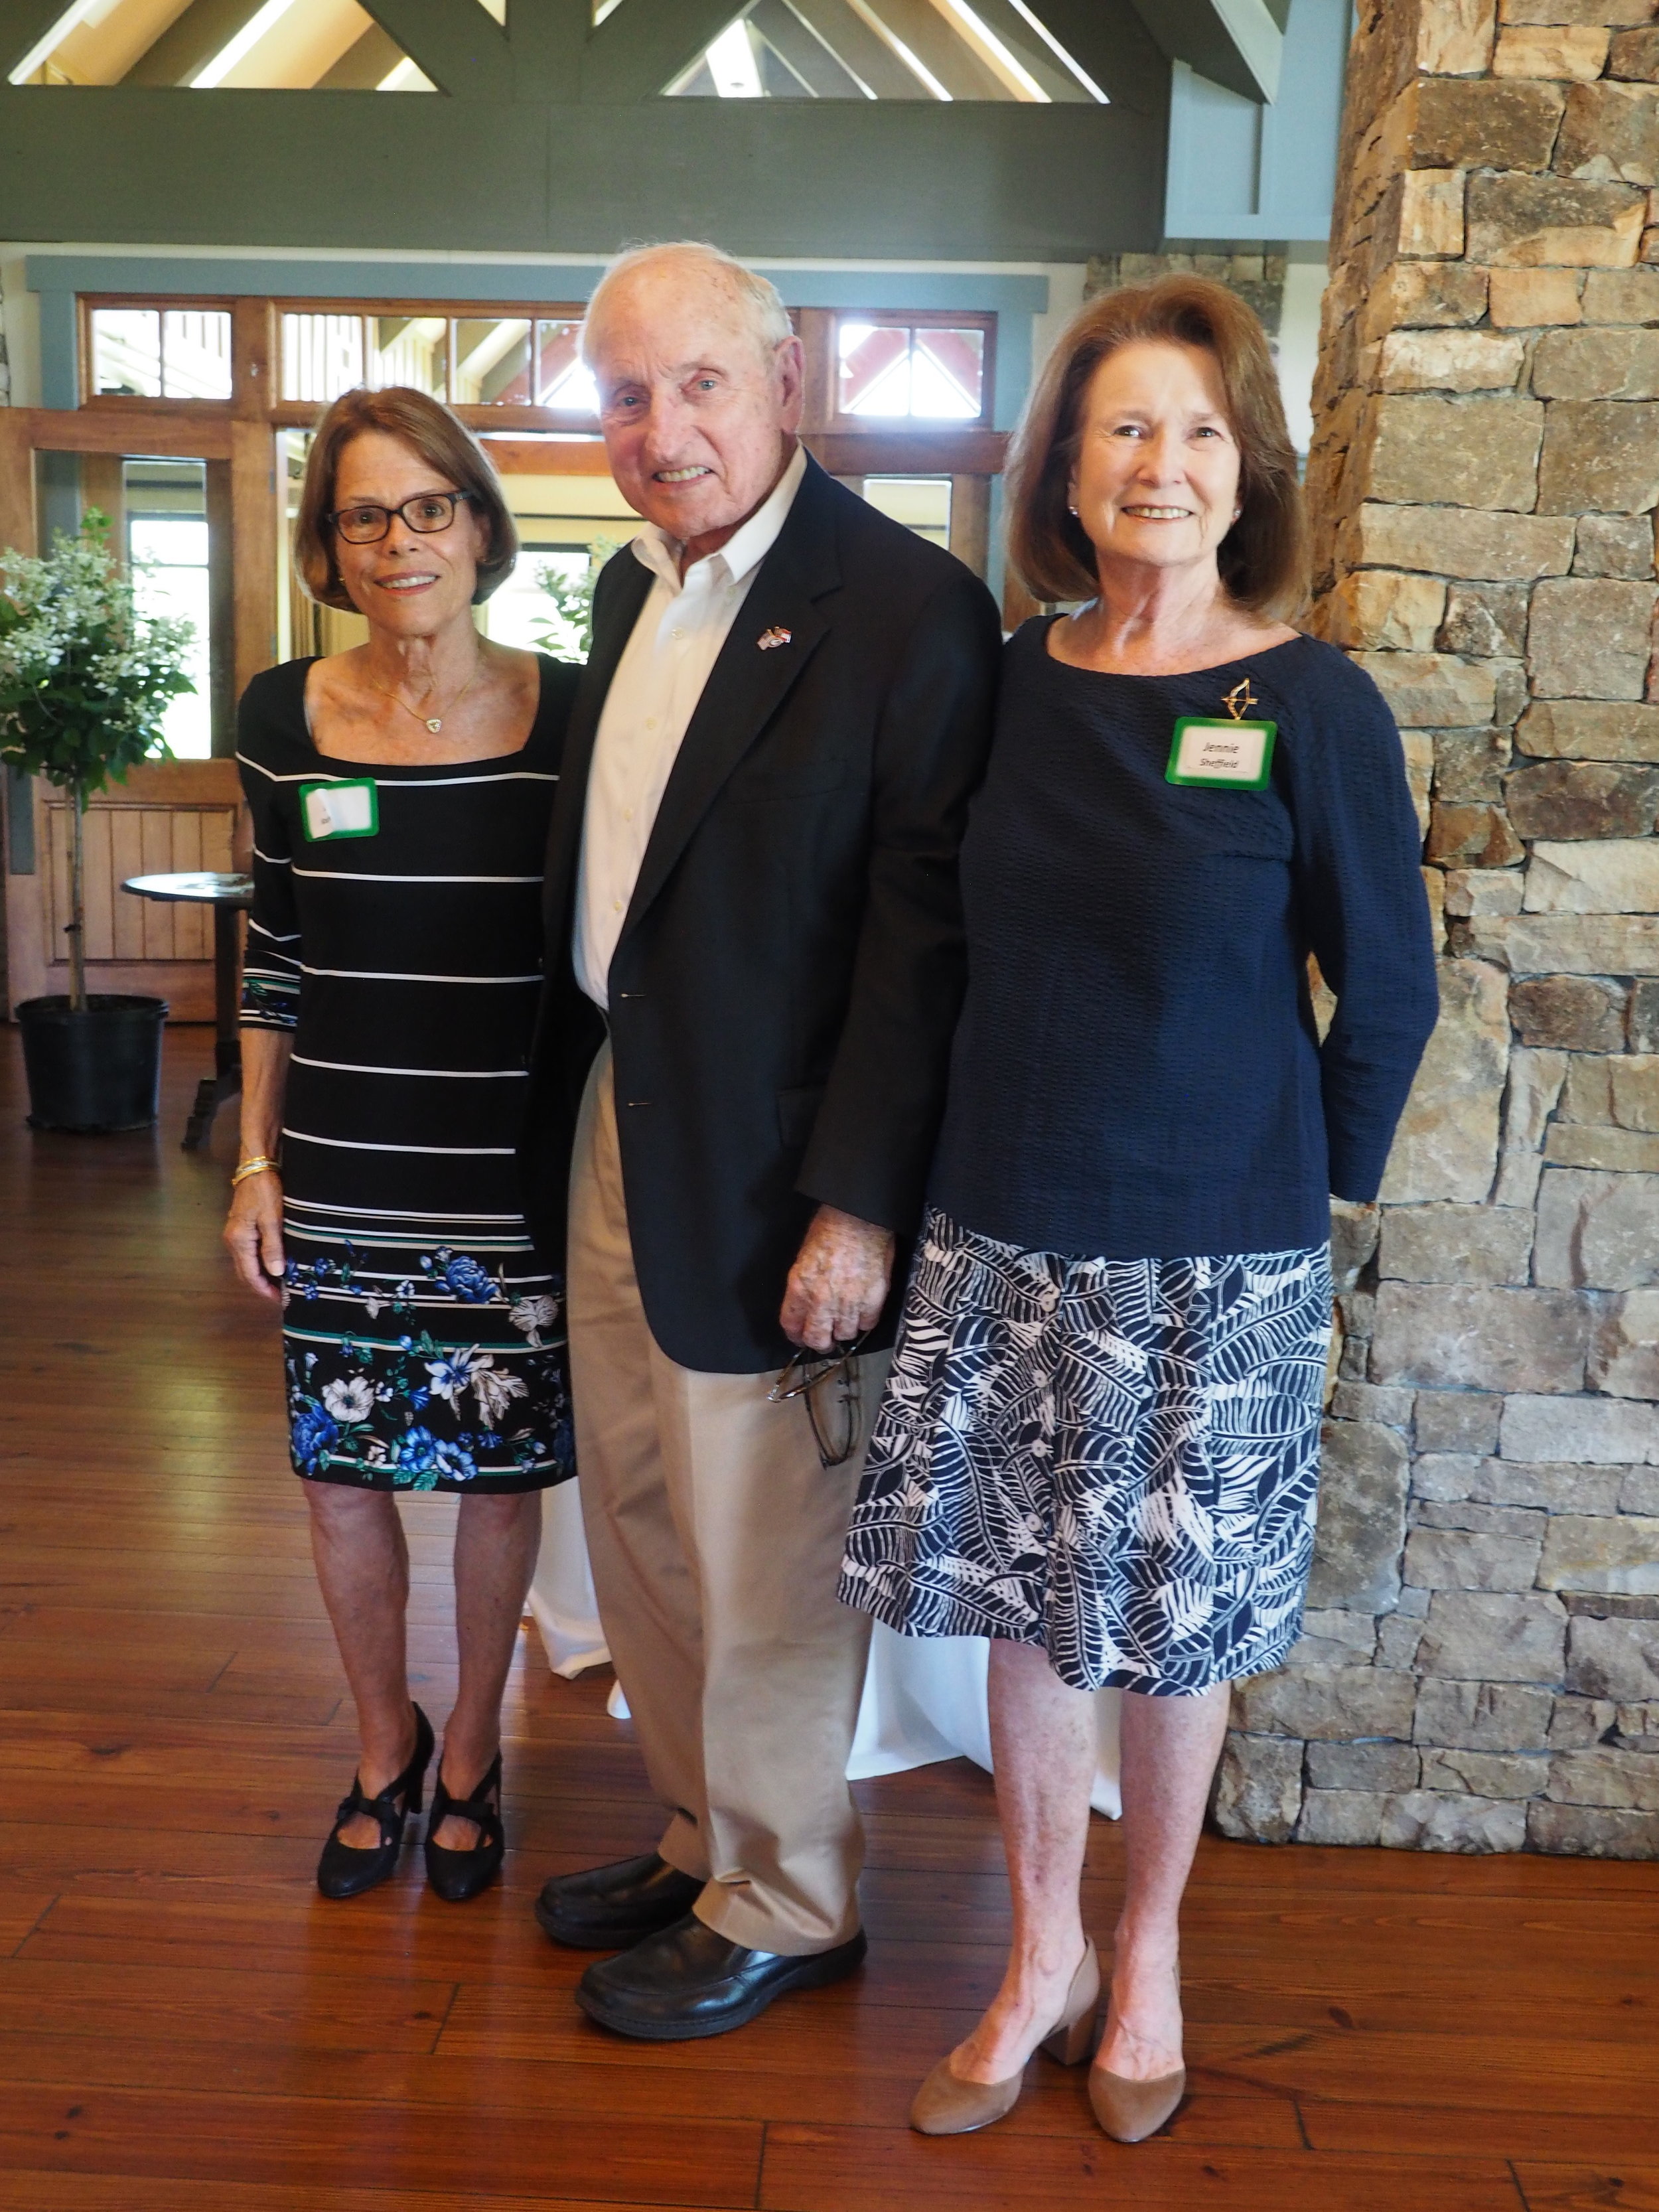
(776, 636)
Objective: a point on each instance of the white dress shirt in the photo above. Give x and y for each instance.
(653, 697)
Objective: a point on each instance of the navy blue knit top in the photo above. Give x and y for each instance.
(1137, 1073)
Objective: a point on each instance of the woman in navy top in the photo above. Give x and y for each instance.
(1099, 1444)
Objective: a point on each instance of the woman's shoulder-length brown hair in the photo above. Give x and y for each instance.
(1263, 558)
(455, 454)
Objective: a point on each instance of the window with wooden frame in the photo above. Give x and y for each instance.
(893, 366)
(150, 350)
(899, 404)
(514, 365)
(501, 365)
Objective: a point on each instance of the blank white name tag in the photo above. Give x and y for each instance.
(1231, 756)
(339, 810)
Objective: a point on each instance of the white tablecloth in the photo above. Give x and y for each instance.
(923, 1699)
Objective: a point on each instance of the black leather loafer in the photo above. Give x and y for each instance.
(689, 1982)
(609, 1907)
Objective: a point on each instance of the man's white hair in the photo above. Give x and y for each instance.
(754, 296)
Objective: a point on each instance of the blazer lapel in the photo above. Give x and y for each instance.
(613, 626)
(747, 684)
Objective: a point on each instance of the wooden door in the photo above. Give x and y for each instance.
(170, 814)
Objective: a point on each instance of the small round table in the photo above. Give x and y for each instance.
(228, 895)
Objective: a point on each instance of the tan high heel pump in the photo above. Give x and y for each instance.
(945, 2105)
(1130, 2111)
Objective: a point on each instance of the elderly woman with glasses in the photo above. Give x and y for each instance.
(401, 792)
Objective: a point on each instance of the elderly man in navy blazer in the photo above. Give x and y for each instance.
(755, 961)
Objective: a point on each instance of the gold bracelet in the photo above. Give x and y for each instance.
(263, 1165)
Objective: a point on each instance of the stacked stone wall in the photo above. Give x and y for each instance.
(1480, 1665)
(1256, 273)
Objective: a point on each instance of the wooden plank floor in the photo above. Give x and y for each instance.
(185, 2024)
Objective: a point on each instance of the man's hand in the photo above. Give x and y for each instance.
(839, 1282)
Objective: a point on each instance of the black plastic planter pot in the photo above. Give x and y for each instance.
(93, 1071)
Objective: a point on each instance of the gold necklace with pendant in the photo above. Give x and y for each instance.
(434, 722)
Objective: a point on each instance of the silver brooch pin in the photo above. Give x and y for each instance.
(776, 636)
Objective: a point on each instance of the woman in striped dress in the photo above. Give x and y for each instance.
(400, 794)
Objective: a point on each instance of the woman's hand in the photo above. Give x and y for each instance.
(253, 1234)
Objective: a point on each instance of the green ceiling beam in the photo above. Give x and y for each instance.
(823, 76)
(368, 61)
(859, 49)
(1028, 47)
(547, 38)
(830, 178)
(191, 41)
(644, 45)
(1108, 38)
(458, 43)
(1235, 43)
(941, 50)
(23, 24)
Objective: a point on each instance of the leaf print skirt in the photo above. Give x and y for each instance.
(422, 1352)
(1117, 1460)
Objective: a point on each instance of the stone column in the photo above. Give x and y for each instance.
(1480, 1665)
(1255, 272)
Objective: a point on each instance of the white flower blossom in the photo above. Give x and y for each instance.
(351, 1401)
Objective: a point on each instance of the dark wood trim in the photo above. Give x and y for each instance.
(462, 311)
(885, 453)
(254, 365)
(221, 607)
(194, 429)
(816, 329)
(528, 457)
(174, 783)
(17, 527)
(304, 415)
(970, 521)
(254, 521)
(901, 452)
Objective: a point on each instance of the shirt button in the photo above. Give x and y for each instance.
(628, 814)
(677, 634)
(615, 906)
(650, 721)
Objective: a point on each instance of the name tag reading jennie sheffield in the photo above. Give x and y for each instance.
(1230, 755)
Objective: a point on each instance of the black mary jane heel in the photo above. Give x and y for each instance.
(346, 1871)
(457, 1875)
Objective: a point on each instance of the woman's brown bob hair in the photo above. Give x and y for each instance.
(1263, 558)
(455, 454)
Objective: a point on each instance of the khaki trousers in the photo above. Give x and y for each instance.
(715, 1535)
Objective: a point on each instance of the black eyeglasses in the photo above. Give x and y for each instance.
(837, 1426)
(427, 513)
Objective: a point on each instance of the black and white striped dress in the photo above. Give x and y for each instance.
(425, 1345)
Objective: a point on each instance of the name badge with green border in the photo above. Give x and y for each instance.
(1230, 755)
(328, 810)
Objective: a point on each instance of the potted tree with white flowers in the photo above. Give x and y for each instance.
(85, 682)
